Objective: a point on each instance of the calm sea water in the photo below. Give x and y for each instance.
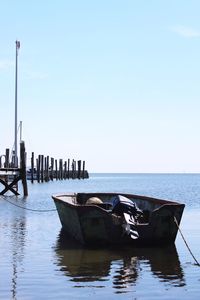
(37, 262)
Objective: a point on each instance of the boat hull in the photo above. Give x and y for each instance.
(91, 224)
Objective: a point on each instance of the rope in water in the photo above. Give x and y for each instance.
(26, 208)
(176, 222)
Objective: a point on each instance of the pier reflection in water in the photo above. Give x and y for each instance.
(18, 232)
(123, 266)
(13, 243)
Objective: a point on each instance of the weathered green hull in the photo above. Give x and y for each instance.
(91, 224)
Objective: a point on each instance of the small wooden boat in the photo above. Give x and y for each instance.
(111, 218)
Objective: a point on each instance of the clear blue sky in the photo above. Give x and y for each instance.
(114, 83)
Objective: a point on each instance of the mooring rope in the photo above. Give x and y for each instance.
(26, 208)
(176, 222)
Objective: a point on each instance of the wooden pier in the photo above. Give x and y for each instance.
(11, 175)
(46, 168)
(43, 169)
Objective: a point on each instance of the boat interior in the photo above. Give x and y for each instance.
(146, 205)
(106, 201)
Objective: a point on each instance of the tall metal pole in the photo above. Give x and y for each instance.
(20, 137)
(16, 73)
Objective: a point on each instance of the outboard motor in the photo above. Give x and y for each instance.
(125, 207)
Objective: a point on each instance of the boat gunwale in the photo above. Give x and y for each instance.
(139, 197)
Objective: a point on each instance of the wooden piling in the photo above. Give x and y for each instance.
(42, 168)
(38, 168)
(46, 168)
(68, 166)
(83, 172)
(79, 170)
(60, 169)
(56, 171)
(32, 167)
(52, 168)
(47, 172)
(65, 170)
(74, 173)
(23, 168)
(7, 158)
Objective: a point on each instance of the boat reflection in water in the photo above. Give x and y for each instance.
(122, 266)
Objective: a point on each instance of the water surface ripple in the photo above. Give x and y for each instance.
(38, 261)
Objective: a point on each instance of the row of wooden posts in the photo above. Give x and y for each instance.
(43, 169)
(47, 168)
